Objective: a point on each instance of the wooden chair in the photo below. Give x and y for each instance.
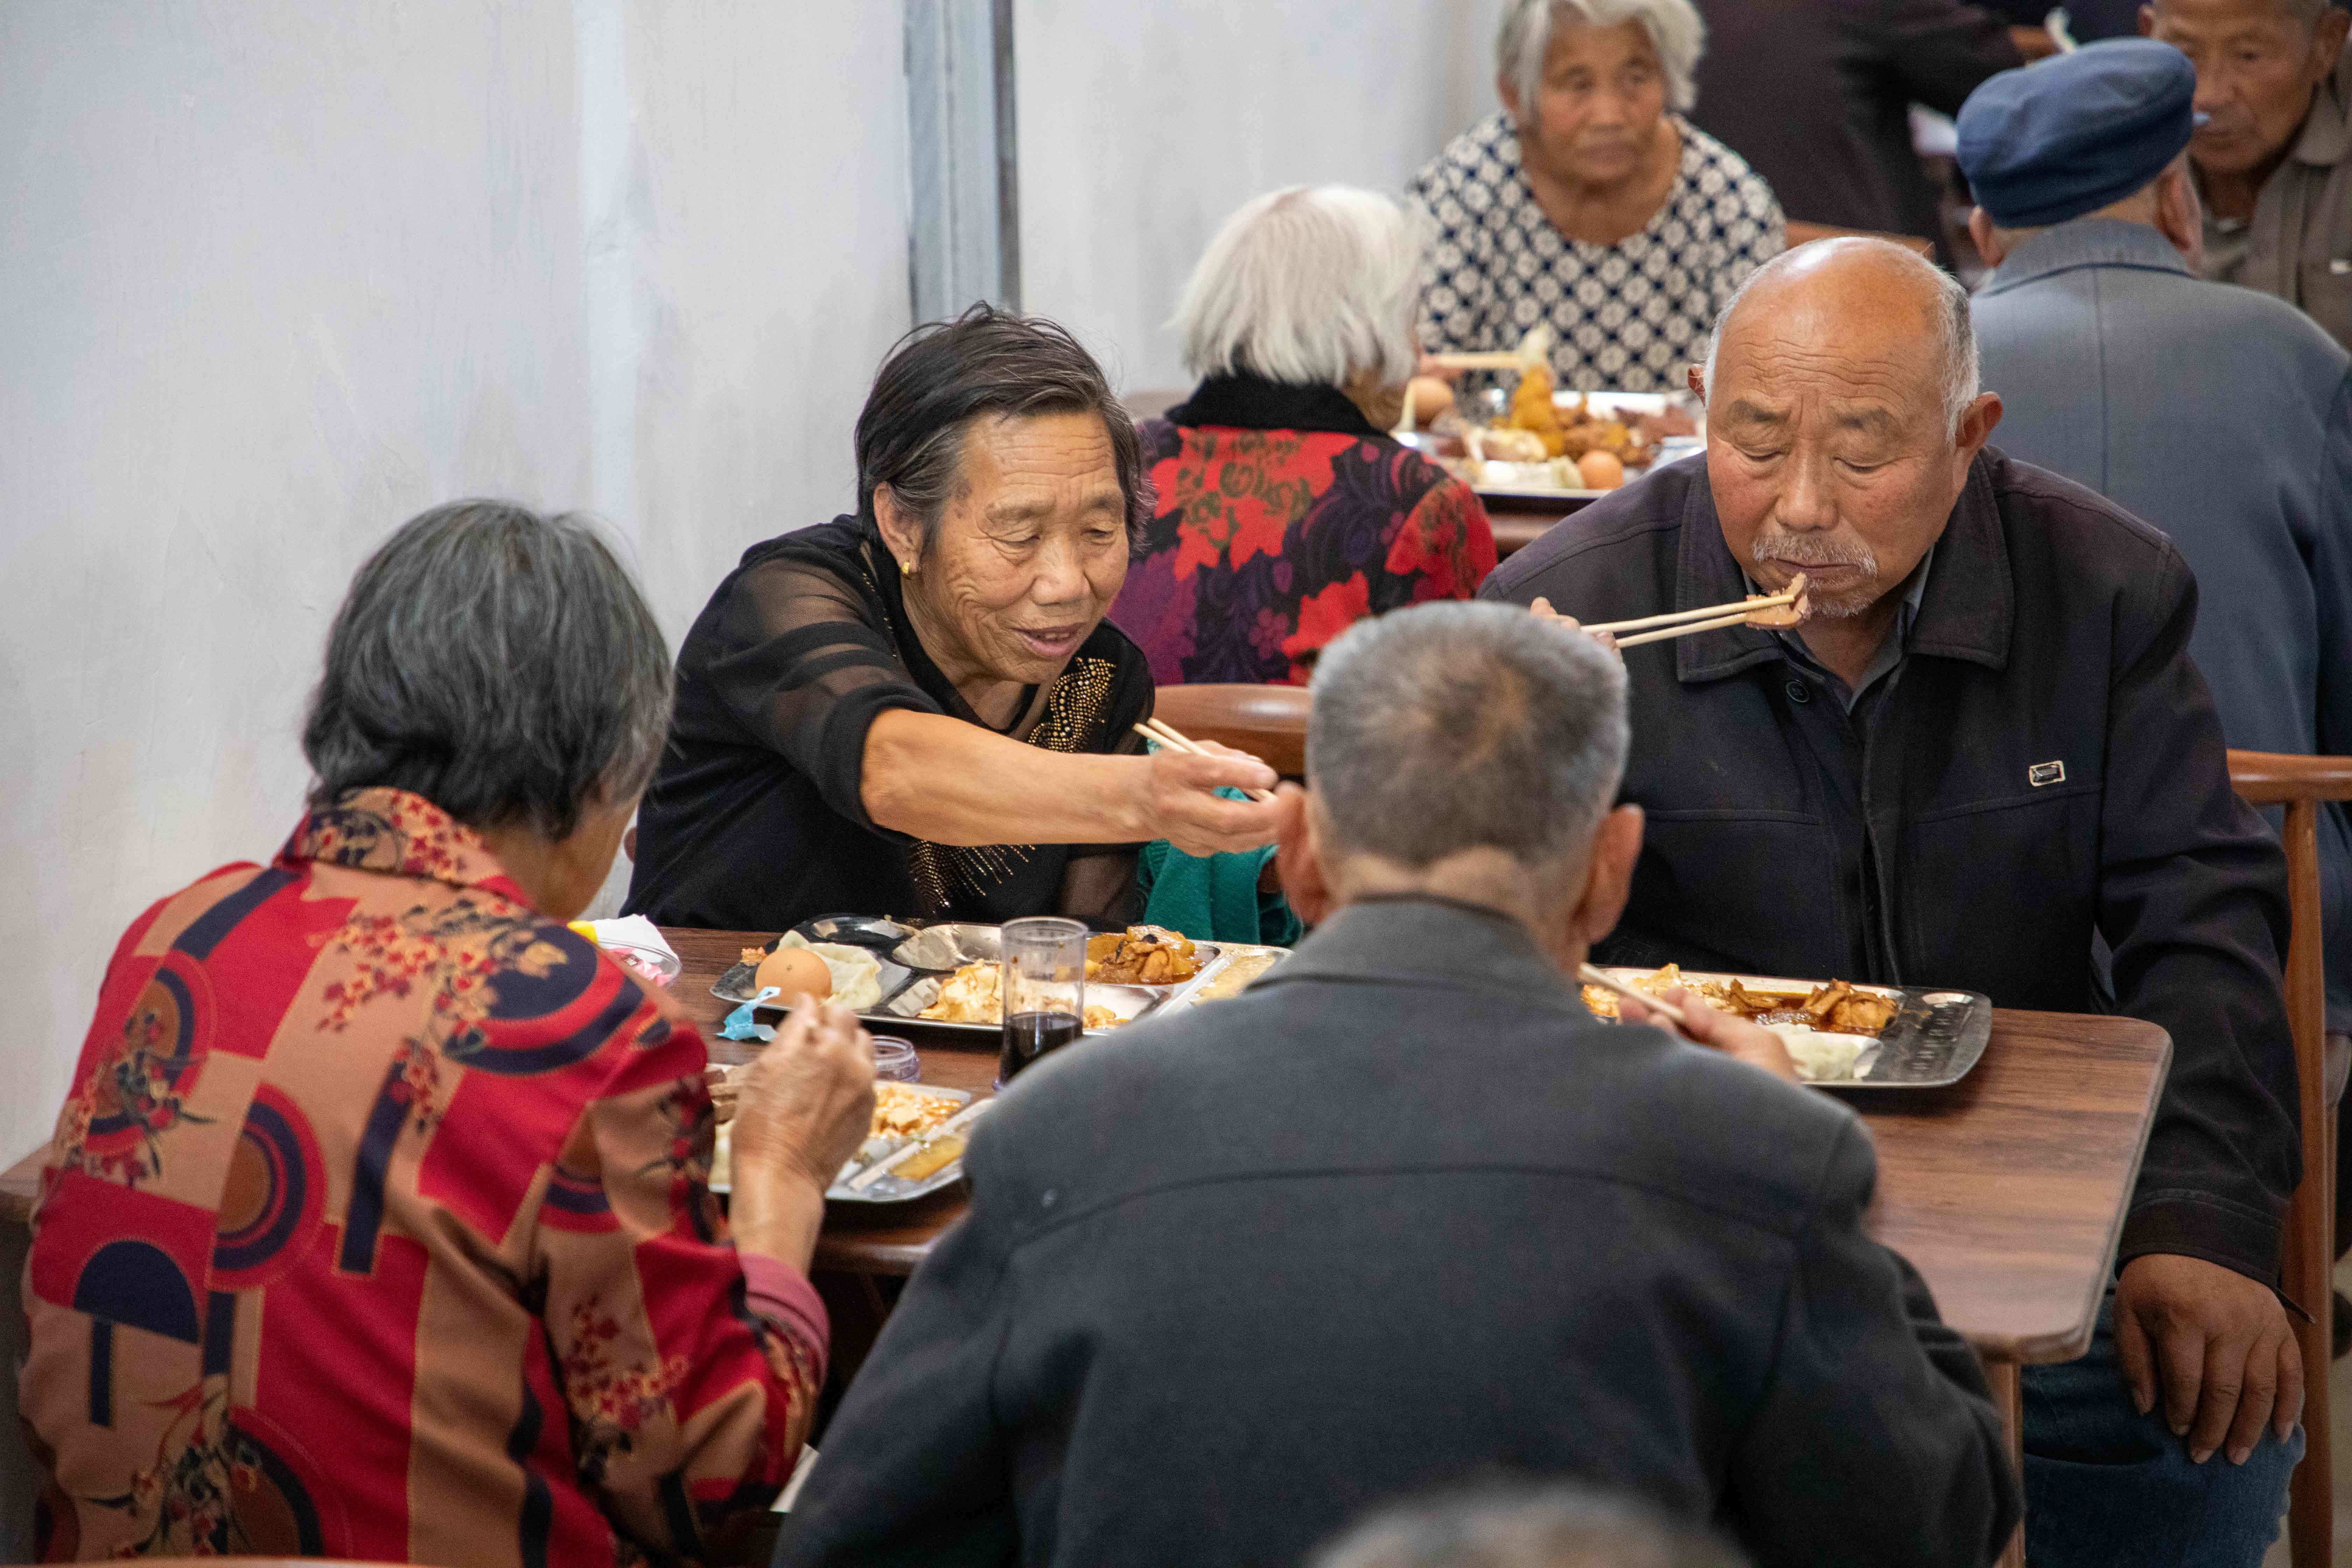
(1267, 721)
(2300, 783)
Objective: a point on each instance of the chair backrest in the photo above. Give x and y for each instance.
(2300, 783)
(1267, 721)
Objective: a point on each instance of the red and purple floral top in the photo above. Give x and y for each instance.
(378, 1226)
(1283, 518)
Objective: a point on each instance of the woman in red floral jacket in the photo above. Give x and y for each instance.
(1285, 513)
(378, 1223)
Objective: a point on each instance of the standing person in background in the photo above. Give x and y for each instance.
(1283, 511)
(2119, 368)
(2275, 93)
(1817, 95)
(1586, 206)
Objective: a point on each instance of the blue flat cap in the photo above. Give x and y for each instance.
(2071, 135)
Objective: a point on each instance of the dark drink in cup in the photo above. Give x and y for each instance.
(1042, 988)
(1028, 1036)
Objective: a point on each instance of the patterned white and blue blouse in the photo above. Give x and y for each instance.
(1626, 317)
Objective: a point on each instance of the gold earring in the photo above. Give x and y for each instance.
(906, 568)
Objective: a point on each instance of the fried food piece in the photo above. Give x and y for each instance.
(1782, 616)
(752, 956)
(1143, 955)
(903, 1111)
(1839, 1009)
(1532, 410)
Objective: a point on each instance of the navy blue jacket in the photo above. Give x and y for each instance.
(2047, 769)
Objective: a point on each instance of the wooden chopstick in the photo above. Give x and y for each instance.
(1608, 982)
(1706, 613)
(1666, 633)
(1153, 730)
(1490, 359)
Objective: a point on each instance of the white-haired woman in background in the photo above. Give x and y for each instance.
(1285, 512)
(1586, 205)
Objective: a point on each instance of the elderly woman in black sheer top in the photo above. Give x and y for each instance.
(919, 709)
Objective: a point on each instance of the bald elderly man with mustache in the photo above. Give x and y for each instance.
(1986, 762)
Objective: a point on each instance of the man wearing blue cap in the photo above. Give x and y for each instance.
(2220, 414)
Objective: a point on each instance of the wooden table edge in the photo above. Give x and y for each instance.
(2049, 1349)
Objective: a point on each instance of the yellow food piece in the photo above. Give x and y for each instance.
(902, 1110)
(931, 1160)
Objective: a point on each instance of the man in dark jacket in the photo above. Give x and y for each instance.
(1405, 1214)
(1989, 749)
(1817, 95)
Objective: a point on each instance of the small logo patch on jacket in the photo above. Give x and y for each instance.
(2042, 774)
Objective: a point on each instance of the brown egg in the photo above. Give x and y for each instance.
(1600, 471)
(1431, 397)
(796, 971)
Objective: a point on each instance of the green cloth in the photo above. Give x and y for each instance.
(1215, 898)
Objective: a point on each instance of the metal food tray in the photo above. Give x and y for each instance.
(1934, 1040)
(891, 1189)
(907, 991)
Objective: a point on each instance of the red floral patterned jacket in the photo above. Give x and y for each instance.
(1283, 518)
(378, 1226)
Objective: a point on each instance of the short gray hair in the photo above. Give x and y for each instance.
(1448, 727)
(1311, 285)
(1674, 25)
(499, 663)
(1956, 332)
(1557, 1526)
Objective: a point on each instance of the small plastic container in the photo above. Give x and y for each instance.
(895, 1060)
(646, 963)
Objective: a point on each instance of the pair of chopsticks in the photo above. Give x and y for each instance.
(1707, 618)
(1608, 982)
(1153, 730)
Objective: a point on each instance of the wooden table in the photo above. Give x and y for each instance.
(2007, 1191)
(1515, 529)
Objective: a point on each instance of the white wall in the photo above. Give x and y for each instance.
(1143, 127)
(276, 276)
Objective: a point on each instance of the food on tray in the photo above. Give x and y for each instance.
(1143, 955)
(933, 947)
(931, 1160)
(1842, 1010)
(1545, 444)
(1235, 976)
(1838, 1007)
(853, 974)
(1819, 1058)
(904, 1111)
(794, 972)
(970, 996)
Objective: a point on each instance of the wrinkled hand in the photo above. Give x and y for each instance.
(806, 1102)
(2216, 1344)
(1541, 609)
(1737, 1037)
(1182, 808)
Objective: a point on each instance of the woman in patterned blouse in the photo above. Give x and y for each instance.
(1586, 206)
(378, 1224)
(1285, 512)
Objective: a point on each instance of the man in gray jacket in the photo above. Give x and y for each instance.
(1405, 1214)
(2220, 414)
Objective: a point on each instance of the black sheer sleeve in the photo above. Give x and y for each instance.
(804, 660)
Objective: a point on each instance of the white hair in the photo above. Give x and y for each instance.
(1955, 332)
(1674, 25)
(1313, 285)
